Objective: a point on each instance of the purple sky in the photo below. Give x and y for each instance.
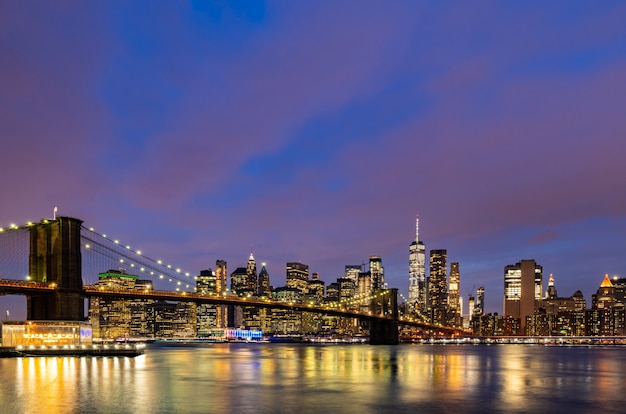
(316, 131)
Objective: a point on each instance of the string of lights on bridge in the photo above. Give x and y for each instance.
(126, 256)
(92, 240)
(345, 303)
(136, 259)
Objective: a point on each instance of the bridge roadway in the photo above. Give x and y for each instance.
(17, 287)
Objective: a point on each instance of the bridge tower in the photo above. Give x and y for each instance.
(55, 258)
(385, 332)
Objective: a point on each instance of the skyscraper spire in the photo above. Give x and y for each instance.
(417, 227)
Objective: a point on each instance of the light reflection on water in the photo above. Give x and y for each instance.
(298, 378)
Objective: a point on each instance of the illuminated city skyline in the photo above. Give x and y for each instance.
(315, 132)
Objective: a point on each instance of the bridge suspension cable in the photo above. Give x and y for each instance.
(101, 253)
(14, 252)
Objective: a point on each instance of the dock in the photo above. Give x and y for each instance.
(112, 350)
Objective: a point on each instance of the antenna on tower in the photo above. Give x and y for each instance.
(417, 227)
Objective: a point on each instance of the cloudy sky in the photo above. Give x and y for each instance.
(316, 131)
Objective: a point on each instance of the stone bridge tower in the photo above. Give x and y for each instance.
(55, 258)
(385, 332)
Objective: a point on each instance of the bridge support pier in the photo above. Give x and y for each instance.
(55, 258)
(385, 331)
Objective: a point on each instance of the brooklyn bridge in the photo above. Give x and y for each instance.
(63, 258)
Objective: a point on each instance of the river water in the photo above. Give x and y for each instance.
(303, 378)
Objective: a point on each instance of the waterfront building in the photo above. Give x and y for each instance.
(171, 320)
(46, 333)
(206, 314)
(285, 321)
(111, 317)
(256, 318)
(297, 276)
(437, 286)
(454, 295)
(138, 314)
(495, 325)
(417, 272)
(522, 290)
(377, 272)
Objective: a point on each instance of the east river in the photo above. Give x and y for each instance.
(303, 378)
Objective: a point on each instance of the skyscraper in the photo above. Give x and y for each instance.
(454, 295)
(551, 290)
(364, 285)
(377, 272)
(417, 271)
(263, 288)
(239, 282)
(352, 273)
(206, 314)
(221, 284)
(221, 276)
(298, 276)
(251, 276)
(479, 305)
(438, 286)
(522, 290)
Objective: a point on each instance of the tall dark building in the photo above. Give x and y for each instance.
(438, 286)
(251, 276)
(298, 276)
(479, 305)
(263, 288)
(522, 290)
